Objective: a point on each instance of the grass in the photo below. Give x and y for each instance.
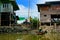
(17, 36)
(48, 36)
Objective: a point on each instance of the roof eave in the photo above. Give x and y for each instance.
(15, 6)
(38, 7)
(41, 5)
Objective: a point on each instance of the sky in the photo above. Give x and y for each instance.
(24, 7)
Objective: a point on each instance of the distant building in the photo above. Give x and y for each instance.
(49, 12)
(7, 15)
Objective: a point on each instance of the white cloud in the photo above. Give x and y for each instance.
(24, 11)
(33, 8)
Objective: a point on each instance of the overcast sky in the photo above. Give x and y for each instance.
(24, 6)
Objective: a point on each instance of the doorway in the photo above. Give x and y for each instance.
(5, 20)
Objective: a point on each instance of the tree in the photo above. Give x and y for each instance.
(35, 22)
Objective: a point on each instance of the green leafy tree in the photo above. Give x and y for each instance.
(35, 23)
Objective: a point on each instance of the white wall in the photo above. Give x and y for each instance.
(9, 9)
(45, 19)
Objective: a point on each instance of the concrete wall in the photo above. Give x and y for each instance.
(48, 15)
(45, 19)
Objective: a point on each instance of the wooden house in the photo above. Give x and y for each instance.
(7, 15)
(49, 12)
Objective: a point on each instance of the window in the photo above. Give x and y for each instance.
(5, 5)
(45, 15)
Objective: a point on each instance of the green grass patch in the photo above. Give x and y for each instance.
(14, 36)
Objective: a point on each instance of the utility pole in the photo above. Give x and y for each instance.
(29, 11)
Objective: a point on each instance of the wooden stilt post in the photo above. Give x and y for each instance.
(40, 24)
(10, 20)
(0, 19)
(55, 26)
(50, 23)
